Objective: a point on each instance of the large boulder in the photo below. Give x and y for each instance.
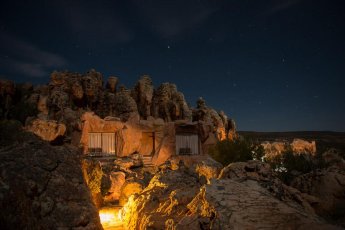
(125, 105)
(117, 179)
(169, 104)
(42, 186)
(46, 130)
(328, 185)
(142, 94)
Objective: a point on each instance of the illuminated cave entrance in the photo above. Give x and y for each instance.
(105, 143)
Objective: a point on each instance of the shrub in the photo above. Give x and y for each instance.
(288, 164)
(227, 151)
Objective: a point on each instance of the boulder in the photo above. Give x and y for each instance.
(125, 105)
(117, 179)
(169, 104)
(142, 94)
(48, 130)
(328, 185)
(42, 186)
(112, 83)
(128, 189)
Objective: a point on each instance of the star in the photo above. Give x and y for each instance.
(168, 47)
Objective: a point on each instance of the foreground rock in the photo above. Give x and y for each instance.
(42, 186)
(245, 196)
(328, 185)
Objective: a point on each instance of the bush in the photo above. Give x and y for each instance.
(227, 151)
(288, 164)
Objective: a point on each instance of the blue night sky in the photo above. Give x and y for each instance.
(272, 65)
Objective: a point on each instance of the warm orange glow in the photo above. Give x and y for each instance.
(110, 217)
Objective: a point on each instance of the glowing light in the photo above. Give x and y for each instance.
(110, 217)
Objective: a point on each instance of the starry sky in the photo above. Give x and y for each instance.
(272, 65)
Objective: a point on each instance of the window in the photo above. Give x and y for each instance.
(187, 144)
(101, 143)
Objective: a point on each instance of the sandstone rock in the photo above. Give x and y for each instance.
(298, 146)
(328, 185)
(47, 130)
(42, 187)
(142, 94)
(128, 189)
(125, 105)
(242, 198)
(229, 204)
(117, 180)
(42, 106)
(209, 168)
(7, 92)
(112, 83)
(222, 127)
(301, 146)
(163, 202)
(170, 104)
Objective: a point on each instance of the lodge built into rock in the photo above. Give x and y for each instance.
(109, 120)
(152, 138)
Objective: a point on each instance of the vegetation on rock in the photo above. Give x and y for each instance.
(229, 151)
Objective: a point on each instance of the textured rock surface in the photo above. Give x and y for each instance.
(222, 126)
(47, 130)
(142, 94)
(328, 185)
(169, 104)
(42, 187)
(245, 196)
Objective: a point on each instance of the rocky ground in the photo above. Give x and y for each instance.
(244, 196)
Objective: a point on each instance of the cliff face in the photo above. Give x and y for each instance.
(42, 186)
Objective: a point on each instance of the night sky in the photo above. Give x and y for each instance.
(275, 65)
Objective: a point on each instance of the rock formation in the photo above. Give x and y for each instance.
(46, 130)
(298, 146)
(328, 185)
(223, 127)
(42, 186)
(7, 92)
(170, 104)
(245, 196)
(143, 94)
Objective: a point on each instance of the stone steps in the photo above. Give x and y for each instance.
(147, 161)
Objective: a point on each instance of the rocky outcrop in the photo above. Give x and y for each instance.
(68, 95)
(245, 196)
(42, 186)
(7, 92)
(328, 185)
(223, 127)
(143, 94)
(125, 105)
(297, 146)
(46, 130)
(301, 146)
(169, 104)
(164, 201)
